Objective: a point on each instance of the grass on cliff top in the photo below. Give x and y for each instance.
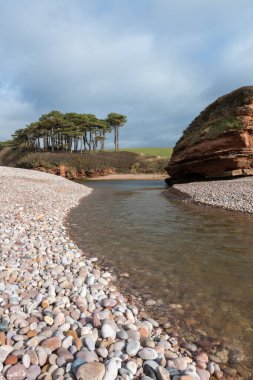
(197, 132)
(161, 152)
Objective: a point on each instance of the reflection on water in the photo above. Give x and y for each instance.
(201, 258)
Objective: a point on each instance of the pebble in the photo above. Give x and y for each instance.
(88, 371)
(132, 366)
(162, 373)
(148, 354)
(11, 360)
(4, 352)
(16, 372)
(26, 361)
(180, 363)
(33, 372)
(59, 320)
(88, 356)
(203, 374)
(132, 348)
(51, 343)
(109, 329)
(42, 356)
(150, 302)
(102, 352)
(108, 302)
(90, 342)
(111, 370)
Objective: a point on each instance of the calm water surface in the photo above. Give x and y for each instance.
(182, 253)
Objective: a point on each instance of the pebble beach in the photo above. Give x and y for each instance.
(234, 195)
(61, 315)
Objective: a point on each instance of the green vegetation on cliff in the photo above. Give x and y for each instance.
(208, 131)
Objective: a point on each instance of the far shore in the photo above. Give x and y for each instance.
(231, 194)
(130, 177)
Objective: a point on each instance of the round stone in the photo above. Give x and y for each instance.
(203, 374)
(150, 302)
(111, 370)
(109, 329)
(26, 361)
(88, 371)
(11, 360)
(49, 320)
(180, 364)
(148, 354)
(162, 373)
(65, 354)
(132, 366)
(102, 352)
(51, 343)
(33, 372)
(88, 356)
(45, 304)
(122, 334)
(132, 348)
(77, 363)
(59, 319)
(42, 356)
(109, 302)
(16, 372)
(4, 352)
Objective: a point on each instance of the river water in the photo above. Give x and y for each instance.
(201, 258)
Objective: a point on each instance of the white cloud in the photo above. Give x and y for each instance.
(14, 112)
(158, 61)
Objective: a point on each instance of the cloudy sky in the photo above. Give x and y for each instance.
(160, 62)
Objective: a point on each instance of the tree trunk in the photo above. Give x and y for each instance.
(116, 138)
(81, 142)
(90, 142)
(103, 141)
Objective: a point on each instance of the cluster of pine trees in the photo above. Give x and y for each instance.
(58, 131)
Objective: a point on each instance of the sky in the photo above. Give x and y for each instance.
(160, 62)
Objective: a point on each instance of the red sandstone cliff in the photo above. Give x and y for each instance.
(219, 142)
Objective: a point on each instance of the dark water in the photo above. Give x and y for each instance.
(182, 253)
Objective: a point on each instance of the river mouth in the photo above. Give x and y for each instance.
(175, 252)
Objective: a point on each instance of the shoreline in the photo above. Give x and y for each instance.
(122, 177)
(234, 195)
(66, 304)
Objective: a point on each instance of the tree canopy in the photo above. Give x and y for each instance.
(116, 120)
(58, 131)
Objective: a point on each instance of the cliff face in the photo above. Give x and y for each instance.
(219, 142)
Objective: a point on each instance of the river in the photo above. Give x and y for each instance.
(198, 257)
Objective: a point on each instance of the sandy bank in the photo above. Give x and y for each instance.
(131, 177)
(234, 194)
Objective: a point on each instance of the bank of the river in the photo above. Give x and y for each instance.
(235, 194)
(84, 166)
(61, 317)
(127, 177)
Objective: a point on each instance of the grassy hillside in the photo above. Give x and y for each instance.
(10, 156)
(161, 152)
